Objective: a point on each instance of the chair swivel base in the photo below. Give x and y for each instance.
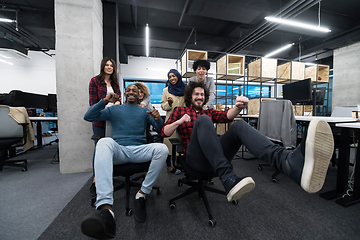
(199, 187)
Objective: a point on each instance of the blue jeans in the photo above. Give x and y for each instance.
(100, 132)
(207, 152)
(109, 153)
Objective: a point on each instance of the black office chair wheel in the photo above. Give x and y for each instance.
(211, 182)
(172, 205)
(235, 202)
(274, 180)
(212, 222)
(93, 200)
(260, 168)
(158, 191)
(24, 169)
(128, 212)
(180, 183)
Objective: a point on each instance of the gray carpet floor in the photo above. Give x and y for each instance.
(31, 200)
(271, 211)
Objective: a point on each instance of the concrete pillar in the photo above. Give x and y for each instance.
(346, 87)
(79, 44)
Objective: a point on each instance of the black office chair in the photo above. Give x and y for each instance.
(126, 171)
(198, 181)
(12, 134)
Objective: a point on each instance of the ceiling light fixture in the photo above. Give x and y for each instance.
(147, 39)
(279, 50)
(297, 24)
(7, 20)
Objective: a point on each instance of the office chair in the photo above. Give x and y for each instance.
(277, 122)
(198, 182)
(12, 134)
(126, 171)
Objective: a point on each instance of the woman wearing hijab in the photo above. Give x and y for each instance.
(173, 96)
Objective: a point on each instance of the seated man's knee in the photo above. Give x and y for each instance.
(106, 141)
(204, 120)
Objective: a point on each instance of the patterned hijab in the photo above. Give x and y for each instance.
(178, 88)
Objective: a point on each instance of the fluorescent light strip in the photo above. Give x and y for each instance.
(6, 62)
(279, 50)
(297, 24)
(7, 20)
(147, 39)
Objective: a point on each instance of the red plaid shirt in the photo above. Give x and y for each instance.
(185, 129)
(97, 92)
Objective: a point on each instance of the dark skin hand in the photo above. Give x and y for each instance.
(155, 114)
(111, 97)
(170, 101)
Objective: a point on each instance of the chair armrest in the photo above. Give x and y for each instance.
(96, 137)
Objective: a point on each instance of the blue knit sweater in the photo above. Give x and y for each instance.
(128, 121)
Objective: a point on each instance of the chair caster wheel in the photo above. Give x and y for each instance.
(172, 205)
(128, 212)
(158, 191)
(235, 202)
(260, 168)
(274, 180)
(24, 169)
(212, 222)
(180, 183)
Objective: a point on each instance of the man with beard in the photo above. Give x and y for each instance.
(128, 144)
(206, 152)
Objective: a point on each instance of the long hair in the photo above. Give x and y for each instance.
(142, 87)
(189, 89)
(113, 77)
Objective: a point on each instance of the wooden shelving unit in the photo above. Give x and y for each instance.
(187, 60)
(290, 72)
(318, 73)
(230, 67)
(262, 69)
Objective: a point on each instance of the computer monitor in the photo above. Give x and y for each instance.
(319, 95)
(298, 92)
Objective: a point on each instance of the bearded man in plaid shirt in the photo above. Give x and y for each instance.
(206, 152)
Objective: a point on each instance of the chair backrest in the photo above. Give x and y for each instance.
(9, 128)
(343, 111)
(277, 122)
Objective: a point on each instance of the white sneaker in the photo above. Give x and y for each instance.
(319, 147)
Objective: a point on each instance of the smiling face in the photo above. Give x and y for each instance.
(201, 73)
(173, 78)
(109, 68)
(132, 94)
(198, 97)
(141, 95)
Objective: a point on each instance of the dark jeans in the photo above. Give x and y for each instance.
(207, 152)
(100, 132)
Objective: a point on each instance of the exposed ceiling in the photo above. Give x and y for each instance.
(217, 26)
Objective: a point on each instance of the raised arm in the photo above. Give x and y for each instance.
(241, 103)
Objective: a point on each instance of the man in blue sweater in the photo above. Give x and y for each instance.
(129, 122)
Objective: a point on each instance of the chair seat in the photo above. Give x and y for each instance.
(189, 172)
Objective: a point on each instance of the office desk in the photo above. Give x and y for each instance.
(343, 168)
(38, 120)
(326, 119)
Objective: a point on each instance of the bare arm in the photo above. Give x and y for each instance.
(241, 103)
(170, 129)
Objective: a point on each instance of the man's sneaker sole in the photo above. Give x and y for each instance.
(319, 149)
(240, 189)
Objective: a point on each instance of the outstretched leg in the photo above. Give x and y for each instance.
(205, 154)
